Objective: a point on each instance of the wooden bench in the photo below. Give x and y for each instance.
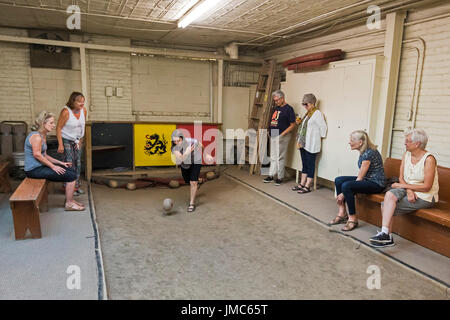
(5, 186)
(26, 202)
(428, 227)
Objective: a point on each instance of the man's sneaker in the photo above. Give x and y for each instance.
(80, 191)
(76, 193)
(278, 182)
(390, 243)
(381, 238)
(268, 179)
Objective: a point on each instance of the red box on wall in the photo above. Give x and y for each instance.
(200, 135)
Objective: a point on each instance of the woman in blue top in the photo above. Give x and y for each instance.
(370, 179)
(39, 165)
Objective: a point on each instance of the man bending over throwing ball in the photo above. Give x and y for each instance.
(188, 155)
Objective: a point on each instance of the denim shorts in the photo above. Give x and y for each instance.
(404, 206)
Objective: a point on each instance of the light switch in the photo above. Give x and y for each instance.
(109, 91)
(119, 92)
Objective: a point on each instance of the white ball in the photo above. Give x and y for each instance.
(210, 175)
(168, 204)
(131, 186)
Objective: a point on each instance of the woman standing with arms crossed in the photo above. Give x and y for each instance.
(70, 131)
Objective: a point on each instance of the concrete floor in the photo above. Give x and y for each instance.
(40, 269)
(238, 244)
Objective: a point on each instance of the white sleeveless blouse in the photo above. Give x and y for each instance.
(74, 128)
(415, 174)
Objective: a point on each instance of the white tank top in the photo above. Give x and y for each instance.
(415, 174)
(74, 128)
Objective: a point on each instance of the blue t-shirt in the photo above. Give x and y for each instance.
(30, 161)
(376, 169)
(282, 117)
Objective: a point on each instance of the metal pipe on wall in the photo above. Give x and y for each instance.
(219, 90)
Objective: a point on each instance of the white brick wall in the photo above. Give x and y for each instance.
(15, 82)
(434, 100)
(433, 111)
(167, 89)
(109, 69)
(52, 88)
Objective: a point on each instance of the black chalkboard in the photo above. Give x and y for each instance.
(112, 134)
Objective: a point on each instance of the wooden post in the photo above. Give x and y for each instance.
(88, 146)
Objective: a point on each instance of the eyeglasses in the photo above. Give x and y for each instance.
(304, 104)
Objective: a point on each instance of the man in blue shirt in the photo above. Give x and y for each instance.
(281, 126)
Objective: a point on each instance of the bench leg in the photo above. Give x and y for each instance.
(26, 216)
(43, 205)
(5, 185)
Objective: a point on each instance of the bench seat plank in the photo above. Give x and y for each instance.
(29, 190)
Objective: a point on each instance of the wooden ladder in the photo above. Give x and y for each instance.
(259, 118)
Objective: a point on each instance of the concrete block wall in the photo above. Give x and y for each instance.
(167, 89)
(433, 113)
(434, 96)
(109, 69)
(15, 95)
(52, 88)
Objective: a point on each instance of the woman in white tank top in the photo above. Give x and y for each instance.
(70, 133)
(418, 187)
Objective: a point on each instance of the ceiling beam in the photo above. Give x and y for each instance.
(150, 51)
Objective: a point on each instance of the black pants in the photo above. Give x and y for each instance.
(192, 173)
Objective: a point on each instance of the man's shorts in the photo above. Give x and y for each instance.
(404, 206)
(192, 173)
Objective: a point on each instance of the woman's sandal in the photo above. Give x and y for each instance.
(350, 225)
(73, 207)
(191, 208)
(338, 220)
(297, 188)
(305, 189)
(78, 203)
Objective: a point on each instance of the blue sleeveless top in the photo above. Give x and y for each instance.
(30, 161)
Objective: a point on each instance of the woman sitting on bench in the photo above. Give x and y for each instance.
(39, 165)
(418, 187)
(370, 179)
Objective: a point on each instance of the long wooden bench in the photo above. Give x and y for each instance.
(5, 186)
(428, 227)
(26, 202)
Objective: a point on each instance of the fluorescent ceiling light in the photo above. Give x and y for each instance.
(196, 12)
(185, 9)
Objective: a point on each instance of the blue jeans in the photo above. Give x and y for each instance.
(308, 162)
(349, 187)
(44, 172)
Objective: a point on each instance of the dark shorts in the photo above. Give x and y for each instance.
(45, 172)
(192, 173)
(403, 204)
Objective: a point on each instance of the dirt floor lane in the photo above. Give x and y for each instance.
(236, 245)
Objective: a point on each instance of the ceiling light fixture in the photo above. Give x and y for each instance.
(198, 10)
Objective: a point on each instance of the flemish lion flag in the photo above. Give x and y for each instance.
(152, 144)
